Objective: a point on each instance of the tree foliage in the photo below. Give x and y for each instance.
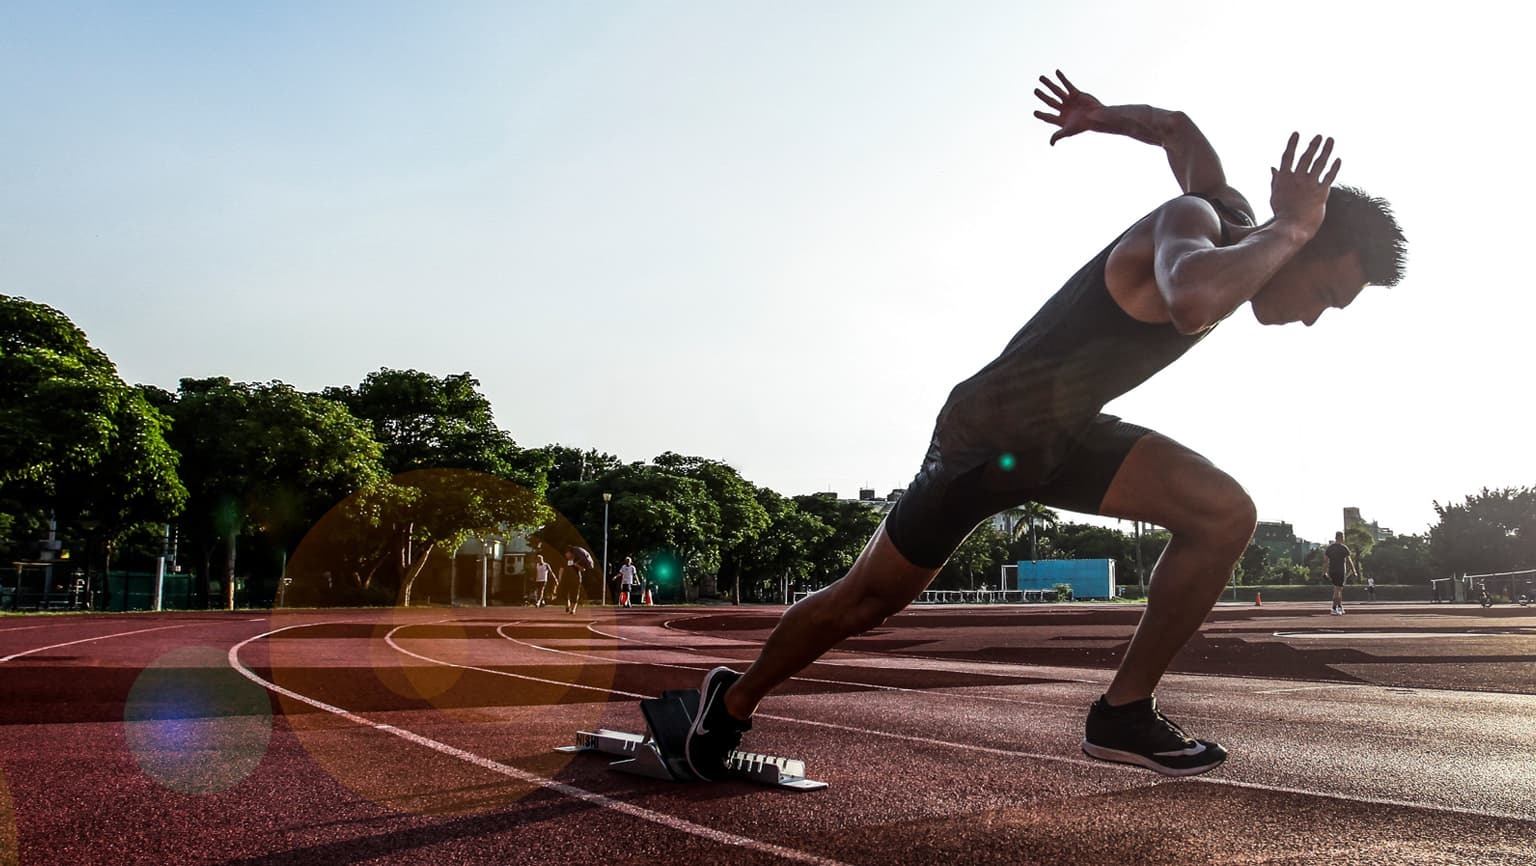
(75, 440)
(1491, 531)
(263, 459)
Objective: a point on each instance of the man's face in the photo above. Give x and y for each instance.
(1304, 287)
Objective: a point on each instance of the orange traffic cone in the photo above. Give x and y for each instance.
(1258, 599)
(648, 596)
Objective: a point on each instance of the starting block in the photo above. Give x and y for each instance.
(660, 755)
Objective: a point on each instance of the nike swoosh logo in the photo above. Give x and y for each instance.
(704, 712)
(1196, 749)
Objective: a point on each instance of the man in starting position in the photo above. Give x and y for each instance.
(1028, 426)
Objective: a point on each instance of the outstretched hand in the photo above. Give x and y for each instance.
(1073, 107)
(1299, 193)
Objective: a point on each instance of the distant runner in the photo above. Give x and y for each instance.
(1341, 567)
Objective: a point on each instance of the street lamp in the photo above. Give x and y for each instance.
(607, 497)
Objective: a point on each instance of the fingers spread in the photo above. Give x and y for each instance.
(1071, 88)
(1333, 172)
(1060, 94)
(1290, 152)
(1054, 103)
(1304, 165)
(1322, 158)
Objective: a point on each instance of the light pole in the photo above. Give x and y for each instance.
(607, 497)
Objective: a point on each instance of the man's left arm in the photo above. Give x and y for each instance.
(1194, 161)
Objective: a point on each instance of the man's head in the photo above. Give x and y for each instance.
(1359, 244)
(1339, 537)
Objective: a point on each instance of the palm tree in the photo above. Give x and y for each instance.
(1031, 516)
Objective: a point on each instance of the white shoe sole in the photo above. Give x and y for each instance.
(1119, 757)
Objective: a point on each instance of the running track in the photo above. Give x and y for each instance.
(1395, 735)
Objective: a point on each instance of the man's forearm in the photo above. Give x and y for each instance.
(1191, 157)
(1204, 287)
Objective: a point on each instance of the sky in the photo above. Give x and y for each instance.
(770, 233)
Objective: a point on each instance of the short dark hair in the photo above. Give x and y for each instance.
(1363, 224)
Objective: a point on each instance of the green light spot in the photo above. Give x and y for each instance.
(1006, 461)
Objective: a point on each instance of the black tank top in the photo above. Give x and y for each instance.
(1077, 353)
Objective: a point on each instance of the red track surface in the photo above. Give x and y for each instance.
(1395, 735)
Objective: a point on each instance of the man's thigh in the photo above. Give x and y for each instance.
(1133, 473)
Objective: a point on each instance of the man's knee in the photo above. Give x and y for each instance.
(1228, 516)
(1217, 512)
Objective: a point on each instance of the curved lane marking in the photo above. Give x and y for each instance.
(1204, 779)
(94, 639)
(1379, 635)
(669, 821)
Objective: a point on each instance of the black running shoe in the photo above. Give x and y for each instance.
(1138, 734)
(715, 733)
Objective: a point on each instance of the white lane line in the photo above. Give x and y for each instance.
(1371, 801)
(94, 639)
(1056, 758)
(933, 694)
(875, 686)
(1387, 635)
(669, 821)
(867, 655)
(1315, 688)
(591, 627)
(390, 639)
(1011, 753)
(30, 627)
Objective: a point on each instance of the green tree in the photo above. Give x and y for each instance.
(1359, 539)
(782, 552)
(1030, 523)
(263, 461)
(377, 545)
(1253, 568)
(667, 521)
(429, 422)
(851, 524)
(742, 517)
(1491, 531)
(75, 440)
(1284, 570)
(1401, 559)
(444, 422)
(565, 464)
(981, 553)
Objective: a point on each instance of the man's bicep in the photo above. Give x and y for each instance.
(1182, 227)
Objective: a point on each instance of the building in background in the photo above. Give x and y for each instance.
(1279, 538)
(1353, 519)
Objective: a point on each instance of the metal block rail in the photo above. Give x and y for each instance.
(660, 755)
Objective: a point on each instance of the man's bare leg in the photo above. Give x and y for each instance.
(1212, 520)
(881, 583)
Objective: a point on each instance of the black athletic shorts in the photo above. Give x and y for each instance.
(1338, 580)
(958, 489)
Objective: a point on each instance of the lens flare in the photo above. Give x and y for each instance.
(194, 725)
(507, 681)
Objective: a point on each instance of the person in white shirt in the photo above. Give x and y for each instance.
(541, 573)
(629, 576)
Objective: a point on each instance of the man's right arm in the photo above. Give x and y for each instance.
(1200, 282)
